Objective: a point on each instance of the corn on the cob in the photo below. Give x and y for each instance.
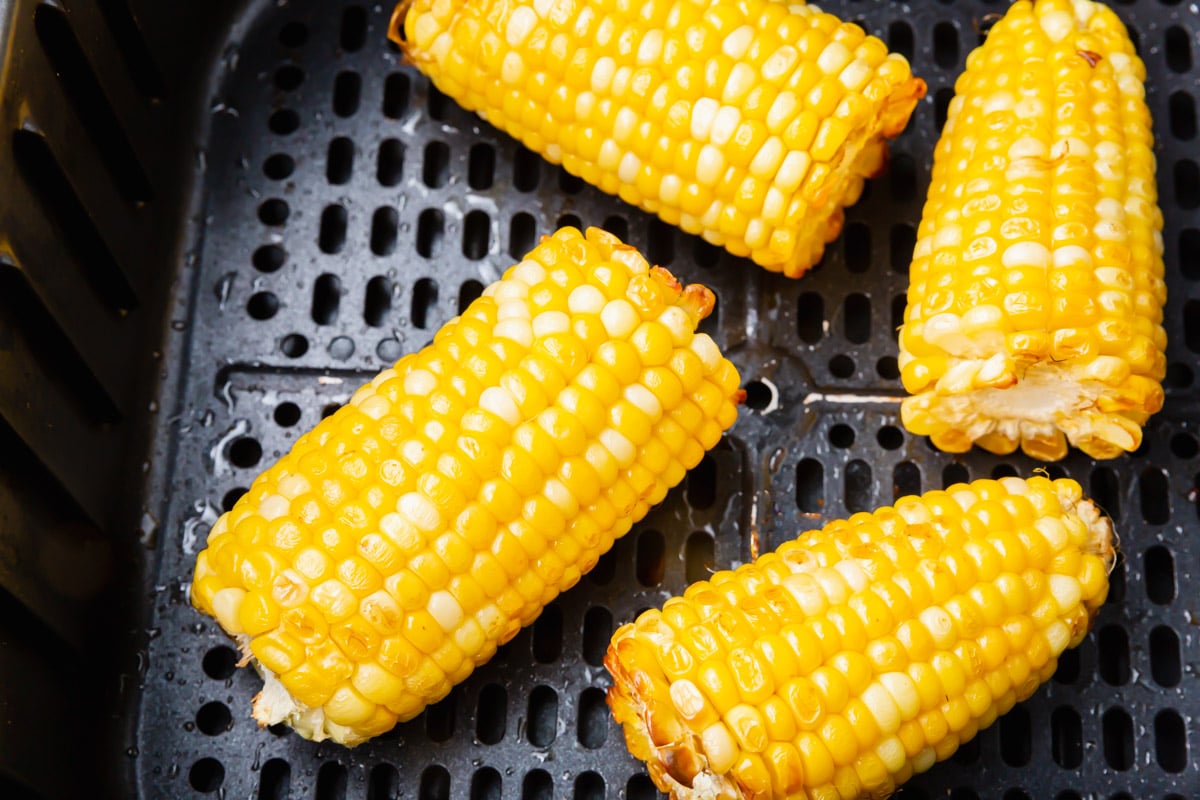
(749, 123)
(1035, 309)
(422, 525)
(860, 654)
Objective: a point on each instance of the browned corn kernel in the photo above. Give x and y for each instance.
(885, 642)
(410, 534)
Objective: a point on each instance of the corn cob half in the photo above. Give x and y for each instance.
(860, 654)
(410, 534)
(1035, 309)
(749, 123)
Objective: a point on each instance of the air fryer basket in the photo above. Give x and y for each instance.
(344, 210)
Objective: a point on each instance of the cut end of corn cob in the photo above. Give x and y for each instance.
(860, 654)
(1034, 312)
(751, 124)
(420, 527)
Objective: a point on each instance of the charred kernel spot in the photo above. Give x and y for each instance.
(1092, 58)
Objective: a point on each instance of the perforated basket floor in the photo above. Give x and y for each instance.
(349, 211)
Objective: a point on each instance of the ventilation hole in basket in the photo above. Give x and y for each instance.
(1105, 490)
(1187, 184)
(431, 231)
(378, 302)
(810, 317)
(903, 171)
(339, 161)
(841, 436)
(640, 787)
(660, 244)
(542, 724)
(395, 95)
(759, 395)
(228, 501)
(906, 480)
(1159, 567)
(547, 635)
(262, 305)
(491, 714)
(354, 29)
(384, 783)
(888, 368)
(276, 781)
(327, 297)
(1189, 253)
(1184, 446)
(890, 437)
(527, 167)
(810, 486)
(206, 775)
(705, 254)
(711, 325)
(481, 166)
(1179, 49)
(568, 183)
(699, 556)
(287, 414)
(968, 752)
(214, 718)
(288, 78)
(332, 235)
(1067, 671)
(1165, 662)
(701, 489)
(857, 247)
(945, 45)
(439, 718)
(963, 793)
(589, 786)
(954, 473)
(1066, 737)
(900, 38)
(347, 93)
(1179, 376)
(221, 662)
(1003, 471)
(279, 166)
(245, 452)
(1182, 113)
(330, 409)
(537, 785)
(1067, 795)
(593, 718)
(273, 212)
(436, 170)
(857, 312)
(1117, 729)
(468, 293)
(385, 227)
(332, 782)
(435, 784)
(341, 348)
(569, 221)
(1116, 581)
(1153, 494)
(899, 306)
(1016, 794)
(424, 303)
(597, 631)
(1112, 647)
(477, 232)
(522, 233)
(293, 34)
(284, 122)
(486, 785)
(941, 107)
(294, 345)
(437, 104)
(617, 226)
(390, 164)
(651, 564)
(912, 792)
(900, 248)
(1170, 741)
(605, 569)
(841, 366)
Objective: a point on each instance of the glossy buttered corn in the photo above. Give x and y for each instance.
(749, 123)
(1034, 313)
(862, 653)
(410, 534)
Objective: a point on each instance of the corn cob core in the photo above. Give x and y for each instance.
(750, 123)
(410, 534)
(862, 653)
(1035, 308)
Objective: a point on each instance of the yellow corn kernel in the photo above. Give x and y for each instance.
(772, 99)
(369, 577)
(1027, 333)
(810, 680)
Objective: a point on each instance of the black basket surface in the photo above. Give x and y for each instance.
(348, 210)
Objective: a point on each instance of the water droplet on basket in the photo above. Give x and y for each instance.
(132, 752)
